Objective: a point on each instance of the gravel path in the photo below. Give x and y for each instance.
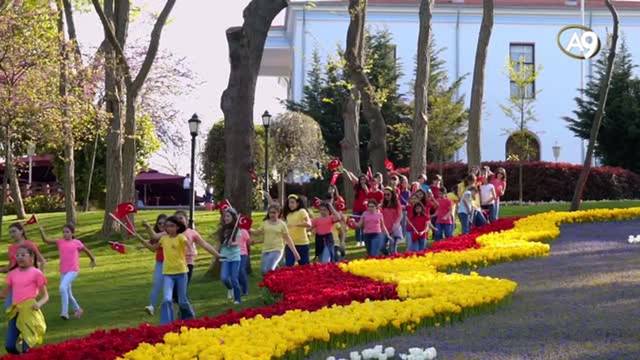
(581, 302)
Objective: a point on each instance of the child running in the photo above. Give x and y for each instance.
(26, 321)
(69, 249)
(276, 235)
(155, 234)
(230, 236)
(174, 268)
(323, 226)
(19, 237)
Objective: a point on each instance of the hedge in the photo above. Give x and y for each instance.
(546, 181)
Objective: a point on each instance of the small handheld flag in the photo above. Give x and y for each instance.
(334, 165)
(245, 222)
(32, 220)
(118, 247)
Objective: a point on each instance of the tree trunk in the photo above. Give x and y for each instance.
(246, 46)
(477, 90)
(421, 118)
(69, 181)
(93, 166)
(113, 105)
(595, 128)
(5, 174)
(14, 184)
(350, 144)
(129, 149)
(371, 110)
(282, 191)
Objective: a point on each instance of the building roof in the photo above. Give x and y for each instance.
(155, 177)
(589, 4)
(45, 160)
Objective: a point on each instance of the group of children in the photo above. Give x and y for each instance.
(382, 217)
(26, 285)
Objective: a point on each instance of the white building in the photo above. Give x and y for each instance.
(521, 27)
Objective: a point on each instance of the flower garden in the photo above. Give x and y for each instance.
(333, 306)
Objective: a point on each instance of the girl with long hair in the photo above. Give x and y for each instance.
(298, 221)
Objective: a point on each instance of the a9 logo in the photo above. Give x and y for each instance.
(579, 46)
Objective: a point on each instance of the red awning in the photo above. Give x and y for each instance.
(156, 177)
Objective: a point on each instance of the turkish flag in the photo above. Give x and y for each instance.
(369, 174)
(334, 178)
(123, 210)
(334, 165)
(224, 205)
(118, 247)
(388, 164)
(341, 206)
(245, 222)
(32, 220)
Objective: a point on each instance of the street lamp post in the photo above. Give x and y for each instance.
(266, 122)
(194, 126)
(556, 151)
(31, 150)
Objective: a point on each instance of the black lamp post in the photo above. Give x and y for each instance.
(194, 126)
(266, 122)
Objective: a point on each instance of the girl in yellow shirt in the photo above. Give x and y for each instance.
(298, 221)
(276, 235)
(174, 268)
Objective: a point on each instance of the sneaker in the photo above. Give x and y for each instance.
(149, 309)
(236, 302)
(229, 294)
(78, 313)
(64, 317)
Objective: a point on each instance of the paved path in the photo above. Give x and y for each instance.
(581, 302)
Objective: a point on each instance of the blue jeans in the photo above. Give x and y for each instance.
(327, 254)
(496, 211)
(243, 277)
(479, 219)
(8, 300)
(229, 274)
(13, 334)
(156, 285)
(417, 245)
(464, 222)
(444, 231)
(491, 210)
(179, 281)
(303, 251)
(66, 295)
(374, 243)
(392, 244)
(270, 261)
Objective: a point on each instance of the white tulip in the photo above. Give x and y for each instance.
(415, 351)
(354, 355)
(631, 239)
(430, 353)
(382, 357)
(404, 357)
(378, 348)
(367, 354)
(390, 352)
(331, 358)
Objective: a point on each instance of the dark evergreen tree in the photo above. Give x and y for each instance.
(618, 141)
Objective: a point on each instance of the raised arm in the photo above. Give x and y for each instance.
(152, 234)
(351, 176)
(149, 245)
(268, 197)
(205, 245)
(44, 237)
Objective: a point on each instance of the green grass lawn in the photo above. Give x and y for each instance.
(115, 293)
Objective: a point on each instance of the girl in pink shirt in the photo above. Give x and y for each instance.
(244, 242)
(500, 184)
(19, 237)
(69, 250)
(323, 226)
(26, 283)
(392, 216)
(373, 227)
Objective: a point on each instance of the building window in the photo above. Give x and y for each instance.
(518, 51)
(522, 146)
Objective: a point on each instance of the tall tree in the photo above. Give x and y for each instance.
(597, 119)
(133, 84)
(421, 91)
(477, 89)
(370, 108)
(619, 135)
(246, 46)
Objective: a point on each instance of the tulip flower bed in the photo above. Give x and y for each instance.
(322, 305)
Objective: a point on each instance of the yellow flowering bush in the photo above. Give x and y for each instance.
(427, 295)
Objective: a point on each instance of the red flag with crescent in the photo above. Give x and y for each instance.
(122, 213)
(32, 220)
(388, 164)
(334, 178)
(334, 165)
(224, 205)
(341, 206)
(118, 247)
(245, 222)
(316, 202)
(352, 223)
